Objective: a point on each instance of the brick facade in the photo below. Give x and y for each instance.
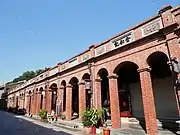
(159, 34)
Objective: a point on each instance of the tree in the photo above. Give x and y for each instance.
(27, 75)
(39, 71)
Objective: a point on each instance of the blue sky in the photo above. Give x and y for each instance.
(40, 33)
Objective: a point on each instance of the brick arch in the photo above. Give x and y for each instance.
(160, 53)
(102, 71)
(63, 83)
(53, 86)
(124, 63)
(41, 89)
(53, 82)
(147, 54)
(85, 76)
(37, 89)
(30, 91)
(71, 81)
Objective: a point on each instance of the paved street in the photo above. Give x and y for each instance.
(11, 124)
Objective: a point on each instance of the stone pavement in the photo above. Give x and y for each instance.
(11, 124)
(21, 125)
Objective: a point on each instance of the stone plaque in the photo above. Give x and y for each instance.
(85, 57)
(151, 27)
(63, 67)
(100, 50)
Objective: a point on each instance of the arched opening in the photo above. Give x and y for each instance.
(41, 98)
(63, 83)
(162, 82)
(130, 97)
(75, 96)
(86, 78)
(105, 99)
(53, 88)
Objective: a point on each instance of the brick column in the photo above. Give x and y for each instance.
(35, 103)
(27, 103)
(38, 102)
(82, 98)
(97, 93)
(44, 100)
(31, 105)
(60, 96)
(114, 101)
(68, 102)
(49, 100)
(148, 101)
(20, 102)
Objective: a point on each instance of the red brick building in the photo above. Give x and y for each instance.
(131, 73)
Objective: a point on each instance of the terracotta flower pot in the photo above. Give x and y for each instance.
(87, 130)
(93, 131)
(106, 131)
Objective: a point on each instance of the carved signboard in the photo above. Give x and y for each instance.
(122, 40)
(151, 27)
(100, 50)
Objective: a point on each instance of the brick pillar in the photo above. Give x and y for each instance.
(114, 101)
(27, 103)
(97, 93)
(38, 102)
(60, 96)
(35, 103)
(20, 102)
(68, 102)
(82, 98)
(44, 100)
(49, 100)
(148, 101)
(31, 105)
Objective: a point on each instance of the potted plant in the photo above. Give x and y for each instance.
(63, 116)
(106, 131)
(90, 119)
(43, 114)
